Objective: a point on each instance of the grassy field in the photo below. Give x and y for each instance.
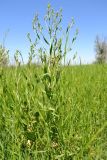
(71, 123)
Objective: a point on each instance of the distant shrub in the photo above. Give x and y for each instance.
(4, 56)
(101, 50)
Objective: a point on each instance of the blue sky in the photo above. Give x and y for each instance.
(90, 19)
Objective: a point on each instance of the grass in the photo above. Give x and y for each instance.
(70, 124)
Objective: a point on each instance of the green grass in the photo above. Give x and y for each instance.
(70, 125)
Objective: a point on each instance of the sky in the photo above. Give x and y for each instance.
(90, 18)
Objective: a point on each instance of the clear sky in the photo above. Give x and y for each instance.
(90, 19)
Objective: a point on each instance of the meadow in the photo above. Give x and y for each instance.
(52, 110)
(68, 121)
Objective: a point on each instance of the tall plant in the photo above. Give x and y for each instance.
(51, 43)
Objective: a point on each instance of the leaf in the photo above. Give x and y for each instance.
(51, 47)
(67, 30)
(73, 39)
(31, 136)
(38, 35)
(46, 40)
(75, 55)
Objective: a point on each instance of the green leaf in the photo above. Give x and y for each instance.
(51, 49)
(46, 40)
(31, 136)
